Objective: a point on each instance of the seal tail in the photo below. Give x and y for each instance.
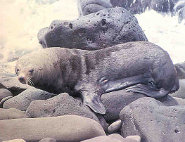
(94, 103)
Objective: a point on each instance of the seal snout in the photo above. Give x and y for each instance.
(22, 79)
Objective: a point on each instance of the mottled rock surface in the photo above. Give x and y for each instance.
(68, 128)
(104, 28)
(48, 140)
(23, 100)
(153, 121)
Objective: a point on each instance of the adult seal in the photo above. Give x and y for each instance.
(137, 66)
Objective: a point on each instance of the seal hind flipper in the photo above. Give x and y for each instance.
(146, 90)
(93, 101)
(116, 85)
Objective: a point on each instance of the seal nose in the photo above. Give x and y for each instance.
(22, 79)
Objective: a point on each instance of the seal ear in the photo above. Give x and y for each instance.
(93, 101)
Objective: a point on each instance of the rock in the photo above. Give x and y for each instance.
(135, 138)
(4, 100)
(180, 67)
(11, 113)
(68, 128)
(98, 30)
(48, 140)
(61, 104)
(114, 127)
(115, 101)
(91, 6)
(11, 83)
(23, 100)
(16, 140)
(134, 6)
(181, 92)
(153, 121)
(4, 93)
(110, 138)
(164, 6)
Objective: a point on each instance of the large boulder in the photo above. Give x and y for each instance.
(104, 28)
(68, 128)
(11, 113)
(61, 104)
(115, 101)
(91, 6)
(23, 100)
(153, 121)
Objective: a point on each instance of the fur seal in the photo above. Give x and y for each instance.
(137, 66)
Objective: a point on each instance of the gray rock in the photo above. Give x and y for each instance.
(61, 104)
(48, 140)
(153, 121)
(23, 100)
(115, 101)
(181, 92)
(4, 93)
(91, 6)
(98, 30)
(180, 67)
(4, 100)
(114, 127)
(136, 138)
(11, 113)
(68, 128)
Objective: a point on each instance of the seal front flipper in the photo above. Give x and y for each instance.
(148, 91)
(93, 101)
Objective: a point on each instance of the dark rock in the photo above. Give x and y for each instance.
(153, 121)
(180, 67)
(161, 5)
(23, 100)
(181, 92)
(11, 113)
(61, 104)
(91, 6)
(4, 93)
(68, 128)
(48, 140)
(114, 127)
(98, 30)
(115, 101)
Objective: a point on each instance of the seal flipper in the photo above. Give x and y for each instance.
(146, 90)
(116, 85)
(93, 101)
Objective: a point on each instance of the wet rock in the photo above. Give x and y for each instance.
(180, 67)
(48, 140)
(68, 128)
(11, 113)
(61, 104)
(23, 100)
(4, 93)
(91, 6)
(181, 92)
(153, 121)
(115, 101)
(114, 127)
(98, 30)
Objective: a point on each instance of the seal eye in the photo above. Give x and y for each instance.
(31, 71)
(152, 84)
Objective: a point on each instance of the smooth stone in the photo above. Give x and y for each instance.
(16, 140)
(4, 93)
(23, 100)
(68, 128)
(98, 30)
(91, 6)
(115, 127)
(136, 138)
(115, 101)
(48, 140)
(59, 105)
(11, 113)
(153, 121)
(181, 92)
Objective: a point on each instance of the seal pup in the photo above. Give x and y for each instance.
(137, 66)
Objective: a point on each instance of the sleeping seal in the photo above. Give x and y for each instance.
(138, 66)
